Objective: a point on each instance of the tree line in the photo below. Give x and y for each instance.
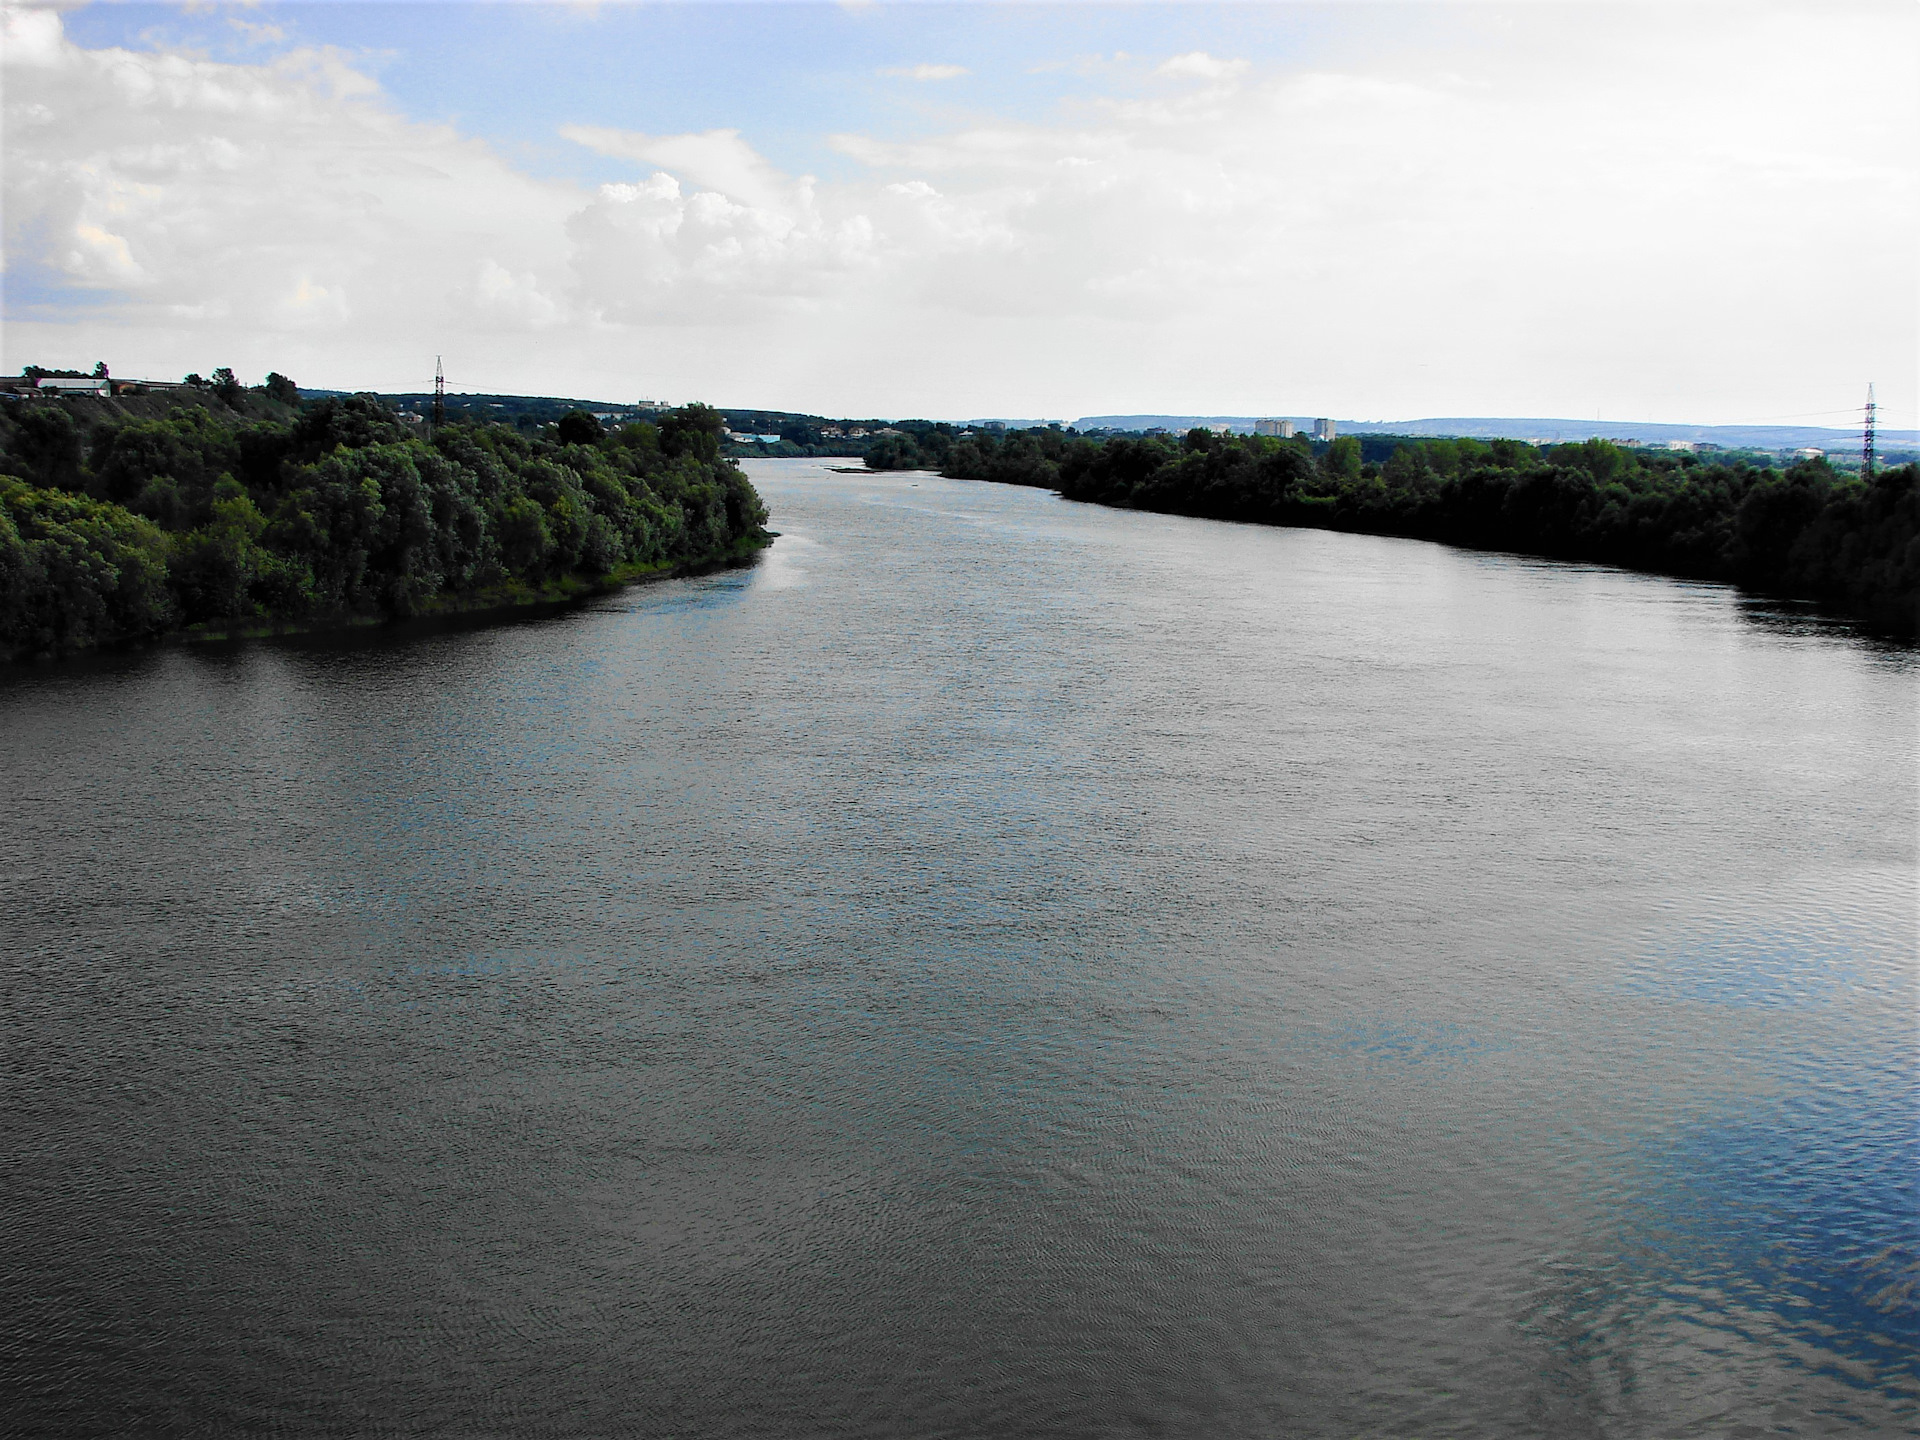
(129, 528)
(1805, 532)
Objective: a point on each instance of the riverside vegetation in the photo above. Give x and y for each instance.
(1806, 532)
(243, 511)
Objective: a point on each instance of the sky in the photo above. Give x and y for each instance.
(1671, 212)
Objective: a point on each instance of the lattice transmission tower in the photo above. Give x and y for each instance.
(1866, 438)
(439, 394)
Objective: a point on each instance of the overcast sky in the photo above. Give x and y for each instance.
(1371, 211)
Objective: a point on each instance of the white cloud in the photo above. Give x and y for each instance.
(34, 38)
(1199, 65)
(649, 251)
(284, 197)
(102, 254)
(1559, 217)
(257, 33)
(307, 306)
(927, 72)
(513, 301)
(716, 160)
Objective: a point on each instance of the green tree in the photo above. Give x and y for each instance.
(212, 571)
(203, 517)
(693, 430)
(47, 447)
(1341, 462)
(1408, 468)
(578, 427)
(75, 571)
(525, 538)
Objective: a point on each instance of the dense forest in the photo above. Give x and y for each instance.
(1804, 532)
(252, 511)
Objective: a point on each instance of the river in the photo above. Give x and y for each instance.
(991, 967)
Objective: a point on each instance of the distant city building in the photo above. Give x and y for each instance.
(1809, 452)
(1684, 445)
(1323, 429)
(1222, 428)
(1283, 429)
(768, 439)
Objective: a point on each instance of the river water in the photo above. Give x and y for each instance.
(992, 967)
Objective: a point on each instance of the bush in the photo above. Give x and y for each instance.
(76, 572)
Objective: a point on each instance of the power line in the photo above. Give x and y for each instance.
(1798, 415)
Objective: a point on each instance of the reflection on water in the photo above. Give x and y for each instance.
(994, 966)
(1753, 1250)
(1781, 1234)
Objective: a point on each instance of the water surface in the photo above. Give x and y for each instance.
(994, 966)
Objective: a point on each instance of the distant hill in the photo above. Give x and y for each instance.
(1732, 437)
(542, 409)
(1239, 424)
(1480, 427)
(539, 408)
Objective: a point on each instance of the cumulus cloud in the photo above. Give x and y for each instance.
(1570, 216)
(257, 33)
(1198, 65)
(650, 251)
(287, 204)
(714, 160)
(171, 189)
(513, 301)
(927, 72)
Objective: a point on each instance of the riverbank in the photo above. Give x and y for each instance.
(514, 600)
(1803, 533)
(117, 530)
